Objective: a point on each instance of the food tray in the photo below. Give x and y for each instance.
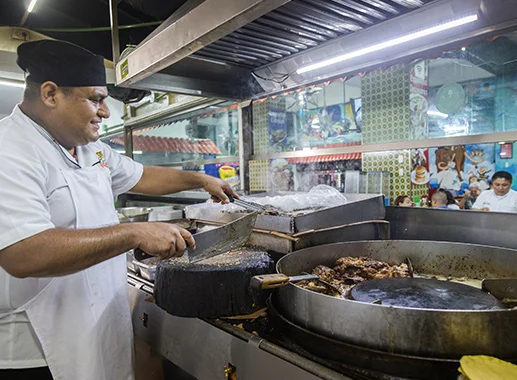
(360, 208)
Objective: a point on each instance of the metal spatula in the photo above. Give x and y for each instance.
(216, 241)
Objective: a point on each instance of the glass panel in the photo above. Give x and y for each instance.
(472, 90)
(313, 117)
(303, 174)
(207, 134)
(114, 141)
(466, 91)
(211, 133)
(461, 96)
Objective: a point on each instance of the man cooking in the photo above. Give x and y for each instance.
(500, 197)
(64, 310)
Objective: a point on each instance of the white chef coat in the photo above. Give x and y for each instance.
(505, 203)
(34, 197)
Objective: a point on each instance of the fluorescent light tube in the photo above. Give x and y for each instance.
(390, 43)
(32, 5)
(12, 83)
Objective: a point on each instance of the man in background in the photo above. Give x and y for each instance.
(500, 197)
(470, 197)
(439, 200)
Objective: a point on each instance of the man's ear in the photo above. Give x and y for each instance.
(48, 92)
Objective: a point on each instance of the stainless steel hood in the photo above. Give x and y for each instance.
(245, 49)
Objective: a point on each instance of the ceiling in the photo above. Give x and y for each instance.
(245, 63)
(296, 26)
(58, 14)
(300, 25)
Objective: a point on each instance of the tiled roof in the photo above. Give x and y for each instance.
(170, 144)
(338, 145)
(327, 158)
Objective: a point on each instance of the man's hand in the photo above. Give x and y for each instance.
(163, 240)
(159, 181)
(467, 194)
(219, 189)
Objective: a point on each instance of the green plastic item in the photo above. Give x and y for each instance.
(450, 98)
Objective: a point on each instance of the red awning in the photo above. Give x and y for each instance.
(170, 144)
(327, 158)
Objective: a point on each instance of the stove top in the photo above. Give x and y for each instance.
(353, 361)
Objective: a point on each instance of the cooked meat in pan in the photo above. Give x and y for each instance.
(349, 271)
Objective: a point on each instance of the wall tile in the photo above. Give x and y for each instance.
(385, 105)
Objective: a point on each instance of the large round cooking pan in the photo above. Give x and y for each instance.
(424, 332)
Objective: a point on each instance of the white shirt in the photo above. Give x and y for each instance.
(34, 197)
(505, 203)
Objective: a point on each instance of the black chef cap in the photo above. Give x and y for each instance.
(61, 62)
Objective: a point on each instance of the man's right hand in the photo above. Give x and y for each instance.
(65, 251)
(163, 240)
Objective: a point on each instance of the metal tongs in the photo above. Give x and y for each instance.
(250, 206)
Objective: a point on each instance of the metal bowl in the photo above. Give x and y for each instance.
(133, 214)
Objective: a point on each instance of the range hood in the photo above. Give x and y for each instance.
(251, 48)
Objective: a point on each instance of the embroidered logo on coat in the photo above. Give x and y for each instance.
(102, 160)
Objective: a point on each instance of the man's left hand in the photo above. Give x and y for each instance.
(219, 189)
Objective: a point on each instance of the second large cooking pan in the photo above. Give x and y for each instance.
(423, 332)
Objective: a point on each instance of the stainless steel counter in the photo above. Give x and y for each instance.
(204, 350)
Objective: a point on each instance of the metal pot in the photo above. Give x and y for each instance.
(133, 214)
(423, 332)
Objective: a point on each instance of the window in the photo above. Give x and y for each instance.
(321, 116)
(473, 90)
(202, 135)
